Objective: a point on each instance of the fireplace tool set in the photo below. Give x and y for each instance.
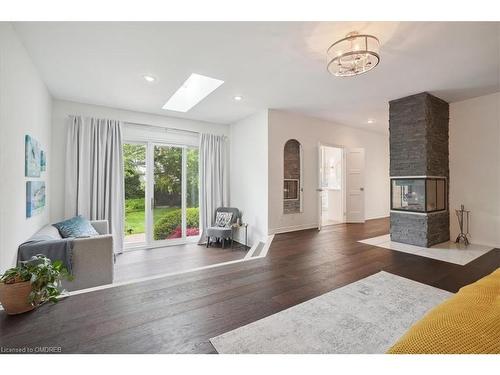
(463, 222)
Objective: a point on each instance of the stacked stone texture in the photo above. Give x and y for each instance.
(418, 127)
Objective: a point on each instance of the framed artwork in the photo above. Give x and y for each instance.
(32, 157)
(43, 161)
(35, 197)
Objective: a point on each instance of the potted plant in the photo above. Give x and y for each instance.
(33, 283)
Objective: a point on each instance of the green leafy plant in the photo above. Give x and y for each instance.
(134, 159)
(44, 275)
(168, 223)
(15, 275)
(134, 204)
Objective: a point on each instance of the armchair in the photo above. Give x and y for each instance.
(223, 233)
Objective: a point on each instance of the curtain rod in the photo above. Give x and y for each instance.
(162, 127)
(167, 129)
(155, 126)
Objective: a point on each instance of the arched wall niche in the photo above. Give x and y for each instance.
(292, 177)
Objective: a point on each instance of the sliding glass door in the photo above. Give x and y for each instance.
(171, 210)
(134, 157)
(168, 202)
(192, 193)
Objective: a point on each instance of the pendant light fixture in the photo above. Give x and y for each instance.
(355, 54)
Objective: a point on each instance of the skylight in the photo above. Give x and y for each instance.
(192, 91)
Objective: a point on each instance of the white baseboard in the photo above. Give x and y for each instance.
(378, 217)
(292, 228)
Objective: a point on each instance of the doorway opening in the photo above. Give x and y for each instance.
(331, 185)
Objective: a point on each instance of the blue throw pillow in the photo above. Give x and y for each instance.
(77, 226)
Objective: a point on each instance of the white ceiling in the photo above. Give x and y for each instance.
(279, 65)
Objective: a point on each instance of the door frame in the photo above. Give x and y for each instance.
(319, 189)
(142, 245)
(151, 184)
(150, 243)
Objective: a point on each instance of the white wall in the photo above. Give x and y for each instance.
(309, 132)
(61, 111)
(248, 174)
(475, 166)
(25, 108)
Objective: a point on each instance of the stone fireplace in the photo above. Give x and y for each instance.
(419, 169)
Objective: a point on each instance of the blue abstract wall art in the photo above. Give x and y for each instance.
(35, 197)
(32, 165)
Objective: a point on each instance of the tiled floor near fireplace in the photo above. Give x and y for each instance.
(446, 251)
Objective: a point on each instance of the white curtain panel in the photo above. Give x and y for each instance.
(94, 173)
(213, 178)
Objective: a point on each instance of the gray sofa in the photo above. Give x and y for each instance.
(93, 258)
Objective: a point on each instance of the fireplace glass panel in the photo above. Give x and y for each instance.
(418, 194)
(408, 195)
(441, 194)
(431, 195)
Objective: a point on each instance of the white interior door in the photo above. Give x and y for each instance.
(355, 185)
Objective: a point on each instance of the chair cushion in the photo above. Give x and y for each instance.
(219, 232)
(223, 219)
(77, 226)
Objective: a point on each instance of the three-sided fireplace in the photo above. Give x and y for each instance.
(418, 194)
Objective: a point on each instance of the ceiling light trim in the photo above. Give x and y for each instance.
(149, 78)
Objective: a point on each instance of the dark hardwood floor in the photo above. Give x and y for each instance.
(136, 264)
(179, 314)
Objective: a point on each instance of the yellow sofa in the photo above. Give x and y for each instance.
(468, 323)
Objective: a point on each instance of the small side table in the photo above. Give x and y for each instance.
(243, 225)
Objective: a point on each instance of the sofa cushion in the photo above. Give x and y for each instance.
(77, 226)
(48, 231)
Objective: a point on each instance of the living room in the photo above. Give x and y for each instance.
(230, 203)
(139, 128)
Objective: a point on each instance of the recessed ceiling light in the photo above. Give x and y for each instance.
(149, 78)
(238, 98)
(370, 121)
(191, 92)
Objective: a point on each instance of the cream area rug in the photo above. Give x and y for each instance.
(367, 316)
(447, 251)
